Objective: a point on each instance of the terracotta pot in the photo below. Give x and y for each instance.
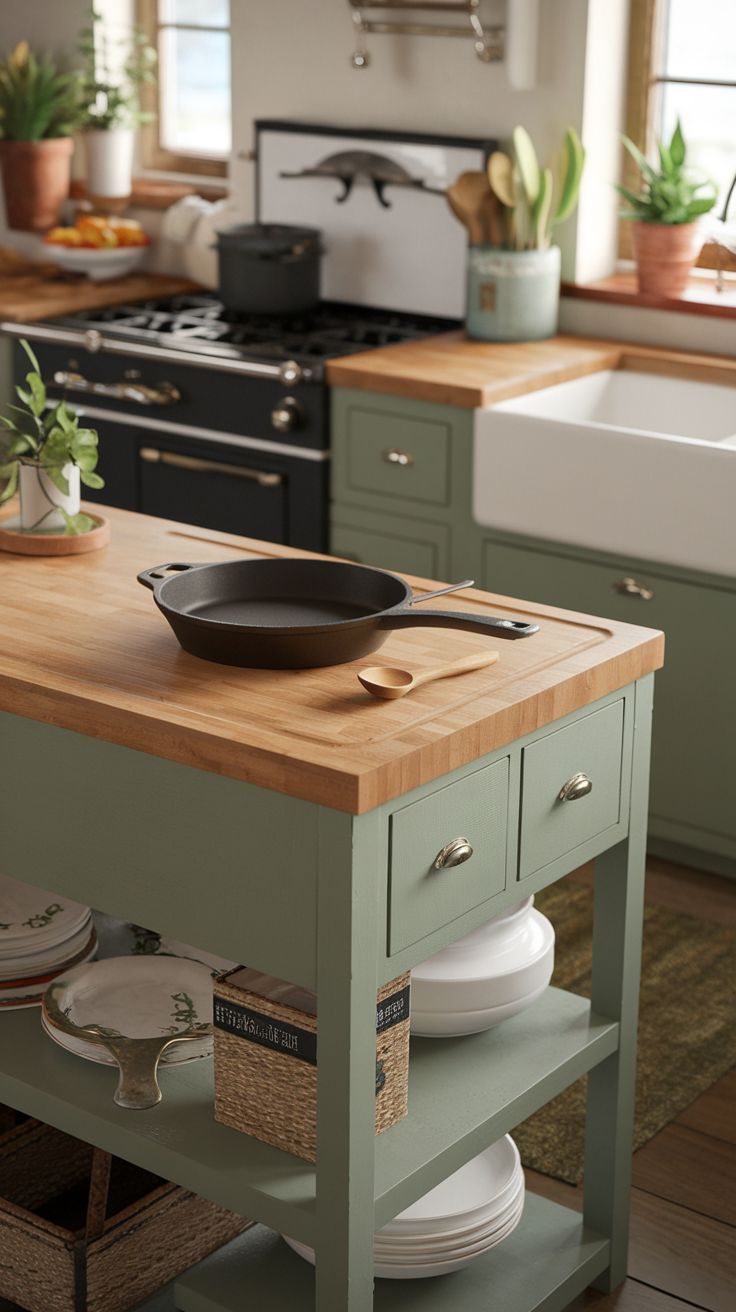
(36, 181)
(665, 253)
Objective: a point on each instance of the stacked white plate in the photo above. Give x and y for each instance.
(142, 997)
(485, 977)
(41, 936)
(468, 1214)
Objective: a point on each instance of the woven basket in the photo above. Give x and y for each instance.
(83, 1232)
(266, 1059)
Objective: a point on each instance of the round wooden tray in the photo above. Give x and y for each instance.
(53, 544)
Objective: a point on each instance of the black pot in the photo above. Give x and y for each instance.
(269, 268)
(296, 614)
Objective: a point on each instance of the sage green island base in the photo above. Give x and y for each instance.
(319, 897)
(401, 488)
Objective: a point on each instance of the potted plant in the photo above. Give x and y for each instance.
(39, 110)
(666, 234)
(513, 287)
(47, 458)
(112, 104)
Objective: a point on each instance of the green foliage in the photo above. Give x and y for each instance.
(541, 198)
(670, 195)
(48, 439)
(109, 100)
(35, 101)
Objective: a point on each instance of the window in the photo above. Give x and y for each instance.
(683, 65)
(191, 132)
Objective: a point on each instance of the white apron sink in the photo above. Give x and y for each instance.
(631, 463)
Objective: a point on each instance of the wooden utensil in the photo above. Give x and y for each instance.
(492, 216)
(389, 682)
(466, 196)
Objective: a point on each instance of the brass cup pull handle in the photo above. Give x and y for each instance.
(164, 394)
(575, 788)
(631, 588)
(393, 456)
(453, 854)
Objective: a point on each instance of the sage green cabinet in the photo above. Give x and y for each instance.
(417, 518)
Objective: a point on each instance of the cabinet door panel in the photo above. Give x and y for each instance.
(398, 456)
(693, 775)
(411, 546)
(421, 898)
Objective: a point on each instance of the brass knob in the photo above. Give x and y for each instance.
(288, 415)
(579, 786)
(631, 588)
(453, 854)
(396, 457)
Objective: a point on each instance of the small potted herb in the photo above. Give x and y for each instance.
(39, 110)
(112, 104)
(47, 457)
(666, 234)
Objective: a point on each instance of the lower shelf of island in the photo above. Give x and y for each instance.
(464, 1093)
(547, 1261)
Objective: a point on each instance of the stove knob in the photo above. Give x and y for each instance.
(288, 415)
(291, 372)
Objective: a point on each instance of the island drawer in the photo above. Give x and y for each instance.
(423, 898)
(550, 825)
(399, 456)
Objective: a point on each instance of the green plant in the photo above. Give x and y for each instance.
(110, 99)
(668, 196)
(35, 101)
(48, 439)
(541, 198)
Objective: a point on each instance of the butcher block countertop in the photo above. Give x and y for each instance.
(83, 646)
(29, 297)
(453, 370)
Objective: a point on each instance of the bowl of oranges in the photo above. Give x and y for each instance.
(100, 246)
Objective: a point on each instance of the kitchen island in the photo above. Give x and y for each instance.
(259, 815)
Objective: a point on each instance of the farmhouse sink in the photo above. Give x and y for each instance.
(621, 461)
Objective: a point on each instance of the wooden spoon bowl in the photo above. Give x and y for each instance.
(389, 682)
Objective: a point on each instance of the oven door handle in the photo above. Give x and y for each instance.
(164, 394)
(153, 456)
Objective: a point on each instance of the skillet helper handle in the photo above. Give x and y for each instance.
(150, 577)
(455, 619)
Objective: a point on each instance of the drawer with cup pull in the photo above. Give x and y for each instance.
(447, 854)
(571, 787)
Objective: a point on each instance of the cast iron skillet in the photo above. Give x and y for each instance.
(296, 614)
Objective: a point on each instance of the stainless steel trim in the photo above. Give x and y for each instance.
(575, 788)
(192, 430)
(453, 854)
(164, 394)
(289, 373)
(154, 456)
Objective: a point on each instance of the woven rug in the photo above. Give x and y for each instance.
(687, 1023)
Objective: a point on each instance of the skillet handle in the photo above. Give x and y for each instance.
(150, 577)
(454, 619)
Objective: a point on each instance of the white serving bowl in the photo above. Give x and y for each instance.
(497, 969)
(99, 265)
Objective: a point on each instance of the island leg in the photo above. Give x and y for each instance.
(617, 936)
(346, 1060)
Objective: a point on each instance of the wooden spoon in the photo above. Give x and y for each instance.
(466, 195)
(493, 218)
(389, 682)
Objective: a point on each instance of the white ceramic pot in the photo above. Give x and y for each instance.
(109, 161)
(38, 496)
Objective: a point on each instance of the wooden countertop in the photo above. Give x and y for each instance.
(453, 370)
(30, 297)
(83, 646)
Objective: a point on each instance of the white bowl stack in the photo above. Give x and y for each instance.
(485, 977)
(41, 936)
(468, 1214)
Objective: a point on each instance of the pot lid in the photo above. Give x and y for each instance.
(267, 238)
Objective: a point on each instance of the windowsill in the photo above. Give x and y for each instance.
(701, 297)
(158, 193)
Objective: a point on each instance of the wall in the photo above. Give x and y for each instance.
(48, 25)
(291, 59)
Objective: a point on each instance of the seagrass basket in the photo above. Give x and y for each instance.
(266, 1058)
(83, 1232)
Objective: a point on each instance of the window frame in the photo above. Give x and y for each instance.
(648, 27)
(154, 155)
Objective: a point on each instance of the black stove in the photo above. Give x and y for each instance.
(202, 324)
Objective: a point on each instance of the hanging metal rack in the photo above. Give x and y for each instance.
(488, 41)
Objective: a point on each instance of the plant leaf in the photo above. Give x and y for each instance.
(677, 147)
(79, 523)
(575, 162)
(57, 478)
(642, 163)
(31, 356)
(12, 483)
(91, 480)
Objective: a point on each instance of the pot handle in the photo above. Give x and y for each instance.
(454, 619)
(150, 577)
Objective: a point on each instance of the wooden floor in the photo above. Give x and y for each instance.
(682, 1252)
